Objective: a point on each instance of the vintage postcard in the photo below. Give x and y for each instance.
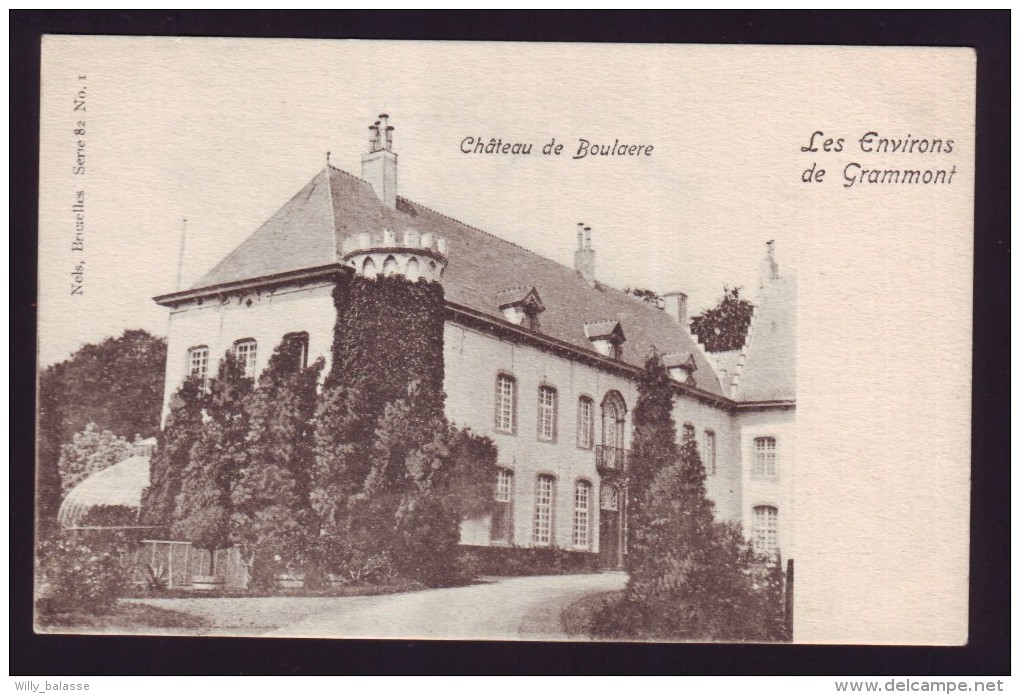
(486, 341)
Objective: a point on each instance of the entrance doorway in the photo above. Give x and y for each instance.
(610, 527)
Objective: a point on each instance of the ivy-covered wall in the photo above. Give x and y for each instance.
(389, 334)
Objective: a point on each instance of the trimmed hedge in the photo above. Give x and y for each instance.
(521, 562)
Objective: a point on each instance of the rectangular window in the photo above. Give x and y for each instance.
(544, 487)
(585, 422)
(245, 352)
(297, 343)
(506, 403)
(709, 452)
(198, 362)
(765, 530)
(582, 515)
(501, 530)
(765, 457)
(547, 413)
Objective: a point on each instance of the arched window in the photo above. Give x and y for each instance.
(368, 269)
(506, 403)
(765, 529)
(582, 515)
(547, 414)
(501, 530)
(614, 414)
(246, 353)
(765, 457)
(585, 422)
(545, 490)
(389, 267)
(413, 271)
(688, 432)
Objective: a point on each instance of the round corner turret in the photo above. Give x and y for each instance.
(410, 253)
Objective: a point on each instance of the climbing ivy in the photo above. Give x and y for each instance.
(392, 476)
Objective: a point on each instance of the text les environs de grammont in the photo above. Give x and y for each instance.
(579, 148)
(881, 159)
(78, 131)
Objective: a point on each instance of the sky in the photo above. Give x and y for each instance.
(224, 132)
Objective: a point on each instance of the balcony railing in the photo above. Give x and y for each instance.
(611, 459)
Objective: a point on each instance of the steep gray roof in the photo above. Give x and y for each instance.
(770, 369)
(307, 231)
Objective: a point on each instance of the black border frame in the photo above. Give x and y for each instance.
(988, 650)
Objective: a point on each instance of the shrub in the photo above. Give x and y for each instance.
(109, 535)
(519, 562)
(72, 574)
(90, 451)
(349, 560)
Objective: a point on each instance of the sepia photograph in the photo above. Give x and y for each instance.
(472, 341)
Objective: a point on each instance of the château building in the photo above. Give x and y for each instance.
(540, 356)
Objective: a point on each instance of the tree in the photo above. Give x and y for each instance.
(691, 577)
(49, 492)
(724, 327)
(117, 384)
(90, 451)
(272, 515)
(653, 447)
(180, 433)
(647, 296)
(203, 509)
(427, 476)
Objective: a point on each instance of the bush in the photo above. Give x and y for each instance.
(106, 537)
(74, 574)
(348, 560)
(520, 562)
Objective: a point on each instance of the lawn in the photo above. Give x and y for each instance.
(132, 618)
(227, 612)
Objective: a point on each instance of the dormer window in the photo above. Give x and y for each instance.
(606, 337)
(681, 366)
(521, 306)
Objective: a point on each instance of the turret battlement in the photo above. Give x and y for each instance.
(410, 253)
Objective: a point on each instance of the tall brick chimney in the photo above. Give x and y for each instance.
(584, 256)
(379, 164)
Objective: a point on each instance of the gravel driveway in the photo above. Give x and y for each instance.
(518, 608)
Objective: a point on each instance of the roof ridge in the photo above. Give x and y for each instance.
(477, 229)
(332, 210)
(486, 233)
(346, 173)
(515, 245)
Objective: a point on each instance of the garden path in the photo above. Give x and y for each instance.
(518, 608)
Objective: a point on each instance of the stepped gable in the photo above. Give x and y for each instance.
(480, 265)
(770, 370)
